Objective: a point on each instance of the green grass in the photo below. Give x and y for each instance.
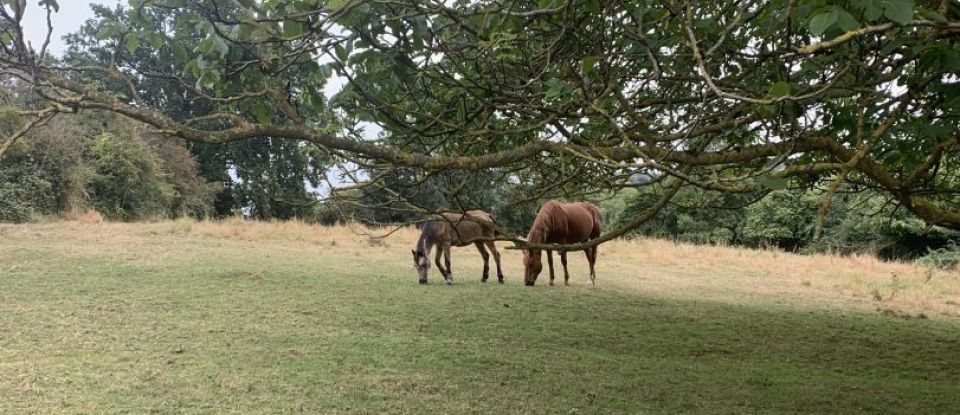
(139, 319)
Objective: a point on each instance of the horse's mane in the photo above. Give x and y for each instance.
(549, 213)
(426, 228)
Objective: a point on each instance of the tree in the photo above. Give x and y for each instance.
(75, 161)
(573, 96)
(262, 175)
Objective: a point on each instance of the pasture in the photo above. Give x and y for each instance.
(235, 317)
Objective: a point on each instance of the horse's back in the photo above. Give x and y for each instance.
(584, 221)
(597, 219)
(465, 230)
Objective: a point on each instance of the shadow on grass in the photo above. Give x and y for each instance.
(555, 350)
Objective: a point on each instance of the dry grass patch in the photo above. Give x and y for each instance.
(859, 282)
(648, 266)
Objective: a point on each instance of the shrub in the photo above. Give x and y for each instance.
(947, 257)
(130, 182)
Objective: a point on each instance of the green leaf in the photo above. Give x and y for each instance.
(179, 51)
(543, 4)
(133, 43)
(336, 4)
(140, 19)
(932, 15)
(872, 9)
(341, 52)
(772, 182)
(365, 116)
(558, 89)
(936, 131)
(594, 6)
(156, 40)
(779, 89)
(766, 110)
(940, 58)
(587, 65)
(206, 45)
(900, 11)
(208, 77)
(222, 47)
(821, 22)
(325, 71)
(262, 113)
(192, 68)
(293, 28)
(846, 21)
(891, 47)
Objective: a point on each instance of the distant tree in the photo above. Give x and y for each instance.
(268, 178)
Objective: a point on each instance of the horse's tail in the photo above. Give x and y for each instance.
(597, 218)
(599, 214)
(496, 225)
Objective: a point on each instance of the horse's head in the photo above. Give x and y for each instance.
(532, 266)
(421, 263)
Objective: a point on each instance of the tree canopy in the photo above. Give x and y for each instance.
(570, 98)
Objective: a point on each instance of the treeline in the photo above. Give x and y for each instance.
(858, 221)
(103, 162)
(94, 161)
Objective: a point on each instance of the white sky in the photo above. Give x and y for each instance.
(71, 16)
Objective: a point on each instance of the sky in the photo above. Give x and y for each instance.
(71, 16)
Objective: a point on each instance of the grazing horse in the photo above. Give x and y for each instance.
(454, 229)
(562, 223)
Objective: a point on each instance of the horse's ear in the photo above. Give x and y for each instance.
(414, 251)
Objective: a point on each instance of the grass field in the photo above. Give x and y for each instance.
(234, 317)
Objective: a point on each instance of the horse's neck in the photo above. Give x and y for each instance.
(542, 230)
(424, 243)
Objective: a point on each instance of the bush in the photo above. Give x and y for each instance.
(24, 194)
(947, 257)
(130, 181)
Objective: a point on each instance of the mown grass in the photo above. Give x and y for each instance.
(182, 317)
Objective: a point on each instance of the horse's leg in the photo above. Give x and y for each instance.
(446, 260)
(550, 264)
(486, 260)
(563, 260)
(496, 258)
(592, 259)
(436, 260)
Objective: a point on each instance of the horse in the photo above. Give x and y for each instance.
(562, 223)
(454, 229)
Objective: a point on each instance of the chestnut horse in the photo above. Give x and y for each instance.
(562, 223)
(454, 229)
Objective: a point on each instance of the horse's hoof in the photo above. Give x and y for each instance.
(449, 282)
(423, 282)
(484, 279)
(500, 280)
(529, 283)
